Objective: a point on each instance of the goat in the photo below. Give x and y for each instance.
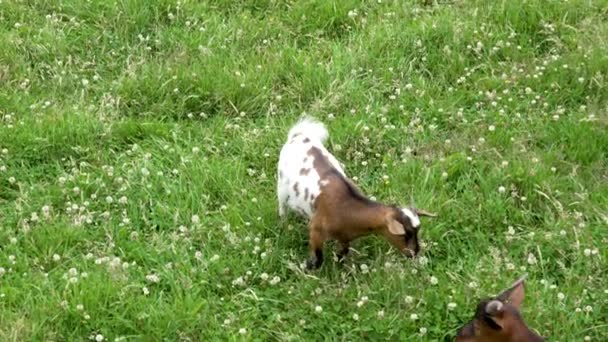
(312, 183)
(499, 320)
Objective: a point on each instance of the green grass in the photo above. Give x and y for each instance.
(120, 121)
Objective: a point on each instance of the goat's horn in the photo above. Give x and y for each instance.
(421, 212)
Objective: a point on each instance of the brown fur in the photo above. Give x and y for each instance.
(344, 214)
(501, 325)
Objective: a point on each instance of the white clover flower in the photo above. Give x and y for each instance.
(501, 189)
(452, 306)
(355, 317)
(318, 309)
(380, 314)
(99, 338)
(561, 296)
(275, 280)
(422, 331)
(195, 219)
(153, 278)
(242, 331)
(423, 261)
(531, 259)
(434, 280)
(56, 257)
(414, 317)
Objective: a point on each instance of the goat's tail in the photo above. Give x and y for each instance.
(310, 128)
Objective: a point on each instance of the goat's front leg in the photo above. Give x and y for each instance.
(316, 247)
(345, 248)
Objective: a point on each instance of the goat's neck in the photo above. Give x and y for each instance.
(371, 214)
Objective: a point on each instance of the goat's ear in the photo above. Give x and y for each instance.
(421, 212)
(494, 314)
(494, 307)
(515, 294)
(395, 227)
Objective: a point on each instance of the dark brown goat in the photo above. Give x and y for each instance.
(499, 319)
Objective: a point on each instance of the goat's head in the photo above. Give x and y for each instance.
(498, 319)
(404, 224)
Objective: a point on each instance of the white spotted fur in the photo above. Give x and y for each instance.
(291, 161)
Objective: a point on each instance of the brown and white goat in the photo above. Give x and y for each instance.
(312, 183)
(499, 320)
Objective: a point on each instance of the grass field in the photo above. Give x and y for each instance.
(139, 142)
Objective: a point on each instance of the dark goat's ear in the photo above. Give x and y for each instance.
(494, 314)
(494, 307)
(515, 294)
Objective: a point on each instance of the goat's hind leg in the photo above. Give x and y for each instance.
(282, 198)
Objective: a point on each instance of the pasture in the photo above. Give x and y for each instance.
(139, 142)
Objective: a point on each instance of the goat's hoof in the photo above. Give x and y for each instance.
(311, 265)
